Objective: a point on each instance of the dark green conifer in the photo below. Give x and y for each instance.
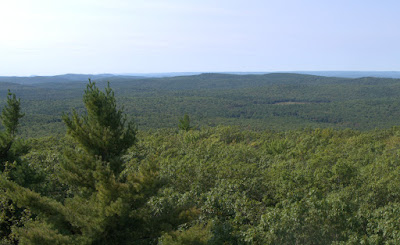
(10, 116)
(105, 202)
(10, 150)
(102, 135)
(184, 123)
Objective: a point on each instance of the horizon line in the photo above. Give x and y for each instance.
(204, 72)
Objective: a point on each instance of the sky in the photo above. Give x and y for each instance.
(49, 37)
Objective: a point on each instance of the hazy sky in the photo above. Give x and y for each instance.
(45, 37)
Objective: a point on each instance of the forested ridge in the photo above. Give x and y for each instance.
(296, 168)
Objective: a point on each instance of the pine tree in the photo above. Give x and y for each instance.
(106, 201)
(184, 123)
(103, 135)
(10, 166)
(10, 116)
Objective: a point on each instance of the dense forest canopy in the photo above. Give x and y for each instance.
(294, 169)
(276, 101)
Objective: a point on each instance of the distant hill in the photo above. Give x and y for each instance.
(345, 74)
(82, 78)
(161, 74)
(353, 74)
(66, 78)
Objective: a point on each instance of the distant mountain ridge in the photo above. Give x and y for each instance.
(66, 78)
(82, 78)
(353, 74)
(345, 74)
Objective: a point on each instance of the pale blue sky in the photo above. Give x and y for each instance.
(47, 37)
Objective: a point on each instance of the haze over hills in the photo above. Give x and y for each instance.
(353, 74)
(66, 78)
(347, 74)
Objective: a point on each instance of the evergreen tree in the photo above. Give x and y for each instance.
(184, 123)
(10, 116)
(106, 201)
(103, 135)
(10, 166)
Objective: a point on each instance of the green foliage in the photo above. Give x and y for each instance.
(106, 183)
(195, 235)
(12, 168)
(222, 186)
(184, 123)
(307, 186)
(103, 131)
(256, 102)
(11, 217)
(104, 201)
(11, 114)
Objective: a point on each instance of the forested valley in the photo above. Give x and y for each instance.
(205, 159)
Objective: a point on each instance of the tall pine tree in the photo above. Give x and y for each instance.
(102, 135)
(10, 116)
(105, 204)
(11, 167)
